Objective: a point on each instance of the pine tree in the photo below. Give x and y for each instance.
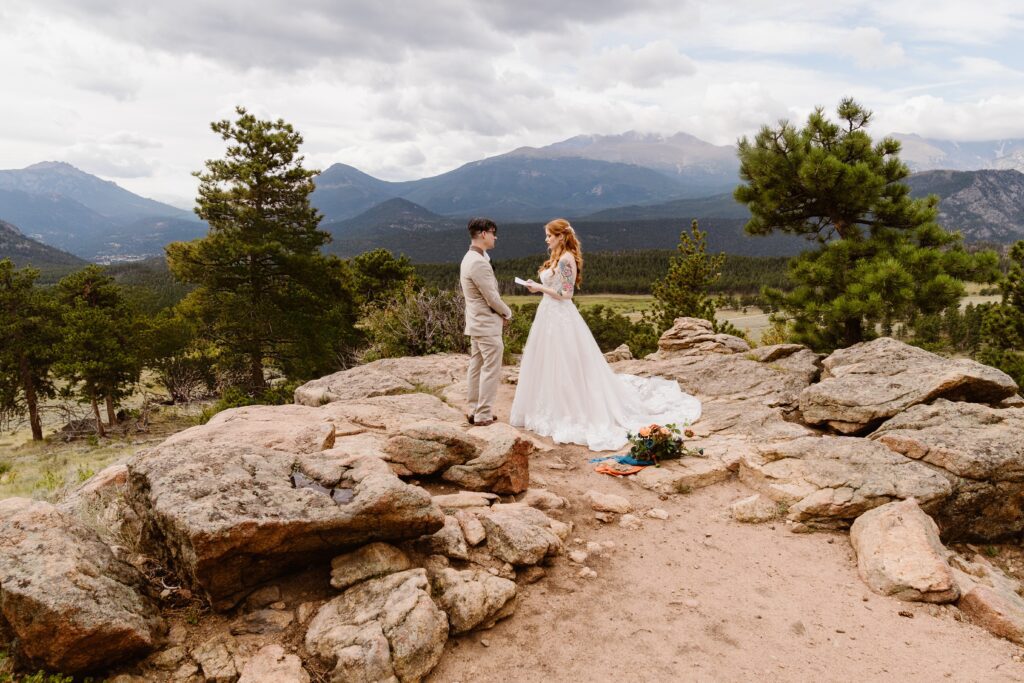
(28, 340)
(1002, 325)
(684, 291)
(98, 355)
(880, 257)
(264, 291)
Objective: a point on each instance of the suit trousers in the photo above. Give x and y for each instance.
(483, 376)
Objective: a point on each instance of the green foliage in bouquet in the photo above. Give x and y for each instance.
(655, 443)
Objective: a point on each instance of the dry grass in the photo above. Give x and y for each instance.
(43, 469)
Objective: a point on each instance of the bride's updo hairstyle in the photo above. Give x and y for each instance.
(570, 244)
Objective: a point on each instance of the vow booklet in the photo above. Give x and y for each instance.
(521, 281)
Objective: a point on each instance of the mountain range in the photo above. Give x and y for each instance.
(59, 205)
(24, 251)
(630, 179)
(929, 154)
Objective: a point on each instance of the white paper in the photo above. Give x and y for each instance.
(521, 281)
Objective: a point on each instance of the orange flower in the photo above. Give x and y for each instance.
(645, 432)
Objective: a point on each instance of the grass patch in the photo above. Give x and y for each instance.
(44, 469)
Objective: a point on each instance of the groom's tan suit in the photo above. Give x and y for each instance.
(485, 317)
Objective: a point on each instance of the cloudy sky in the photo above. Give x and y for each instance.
(125, 89)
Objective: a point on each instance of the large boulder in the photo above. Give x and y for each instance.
(385, 377)
(983, 450)
(737, 378)
(832, 480)
(519, 534)
(289, 428)
(696, 337)
(503, 463)
(390, 413)
(899, 553)
(428, 447)
(384, 629)
(228, 517)
(68, 602)
(867, 383)
(473, 598)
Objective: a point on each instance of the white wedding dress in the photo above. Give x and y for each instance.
(567, 390)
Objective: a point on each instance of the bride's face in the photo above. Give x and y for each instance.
(551, 240)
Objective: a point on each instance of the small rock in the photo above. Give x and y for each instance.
(485, 642)
(177, 635)
(607, 544)
(594, 548)
(544, 500)
(262, 597)
(171, 658)
(186, 672)
(465, 499)
(630, 522)
(263, 621)
(906, 613)
(272, 663)
(305, 611)
(587, 573)
(604, 517)
(472, 529)
(656, 513)
(532, 574)
(368, 562)
(578, 556)
(801, 528)
(754, 509)
(608, 502)
(216, 658)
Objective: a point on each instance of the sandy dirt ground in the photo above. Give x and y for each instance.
(700, 597)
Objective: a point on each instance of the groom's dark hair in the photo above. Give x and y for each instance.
(479, 225)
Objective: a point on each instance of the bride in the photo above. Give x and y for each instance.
(566, 389)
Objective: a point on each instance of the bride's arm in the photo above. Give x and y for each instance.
(565, 279)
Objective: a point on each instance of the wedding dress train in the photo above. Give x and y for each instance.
(567, 390)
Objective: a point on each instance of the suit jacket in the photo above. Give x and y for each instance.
(484, 307)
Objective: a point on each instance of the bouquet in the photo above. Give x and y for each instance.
(655, 442)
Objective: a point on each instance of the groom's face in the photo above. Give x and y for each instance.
(490, 237)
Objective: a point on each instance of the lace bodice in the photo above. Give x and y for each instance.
(561, 278)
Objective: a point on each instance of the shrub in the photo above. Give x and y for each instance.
(612, 329)
(416, 323)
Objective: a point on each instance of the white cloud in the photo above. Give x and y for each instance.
(127, 89)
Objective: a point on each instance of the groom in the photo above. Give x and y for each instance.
(486, 315)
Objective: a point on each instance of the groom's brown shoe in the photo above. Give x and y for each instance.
(469, 419)
(484, 423)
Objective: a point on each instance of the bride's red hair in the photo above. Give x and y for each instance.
(570, 244)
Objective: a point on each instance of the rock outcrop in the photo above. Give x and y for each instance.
(68, 602)
(899, 553)
(867, 383)
(228, 518)
(982, 449)
(832, 480)
(385, 377)
(695, 336)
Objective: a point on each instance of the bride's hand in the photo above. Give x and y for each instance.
(532, 286)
